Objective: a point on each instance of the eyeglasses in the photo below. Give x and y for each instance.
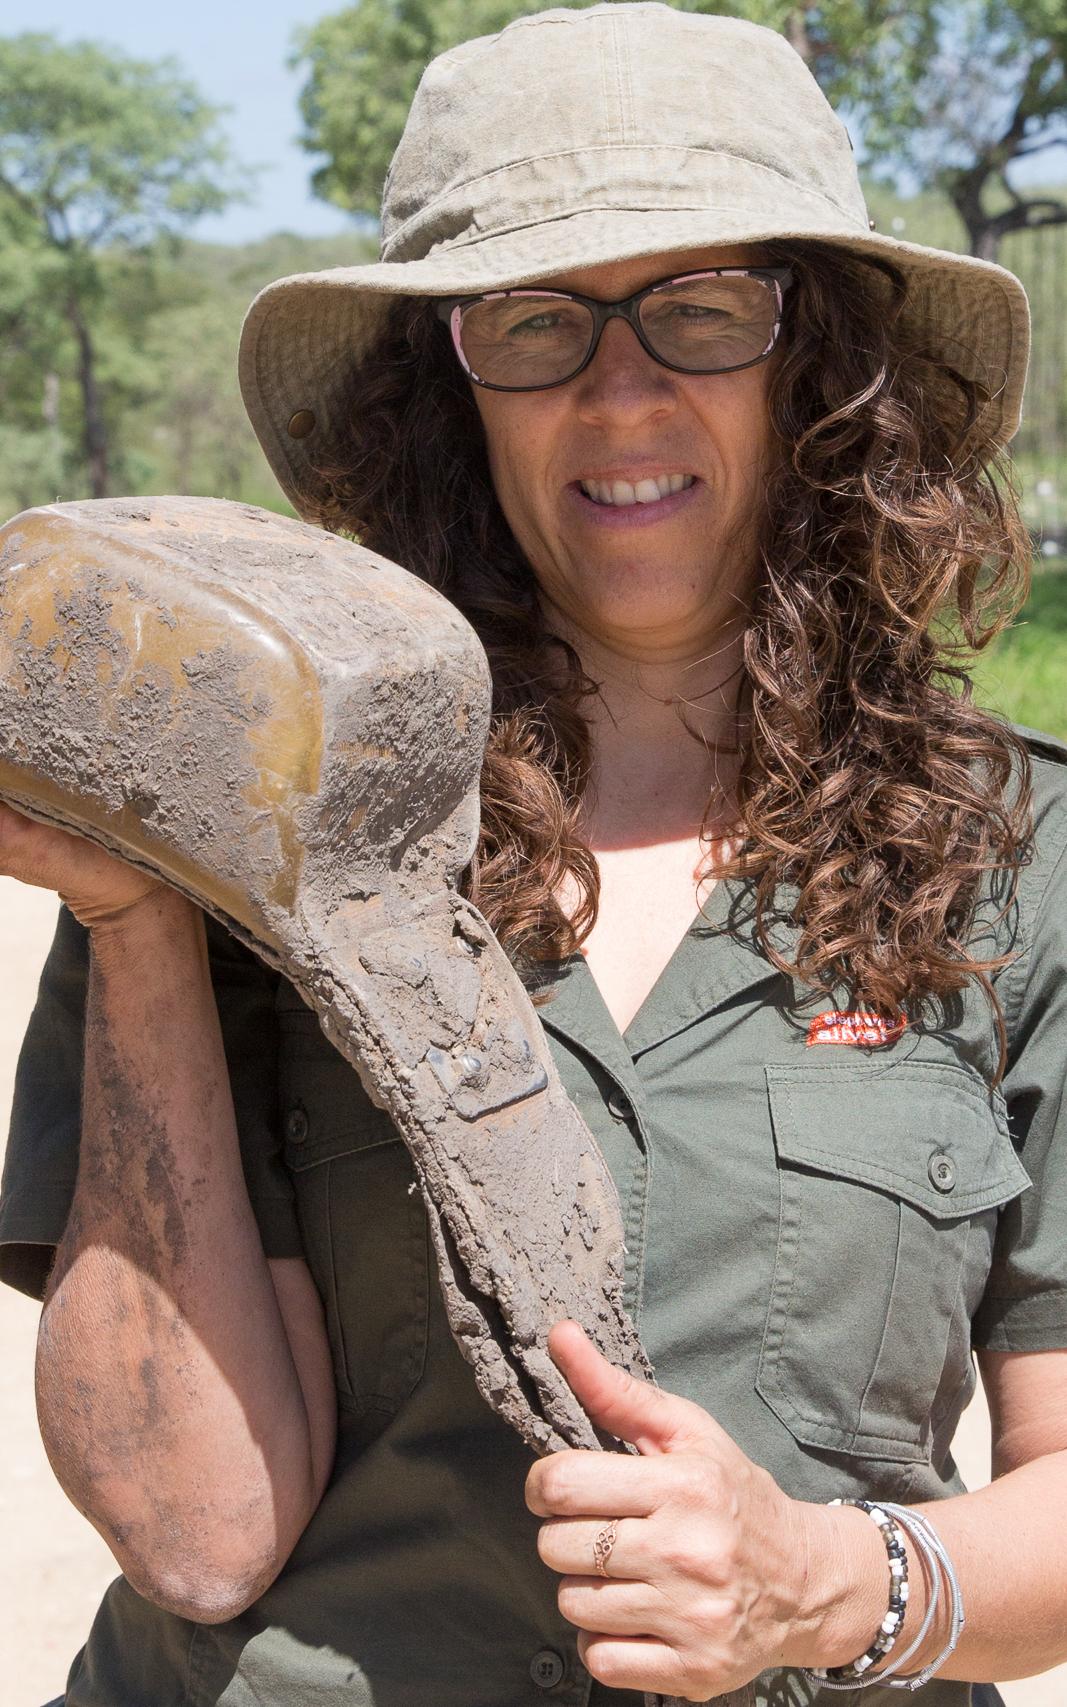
(530, 340)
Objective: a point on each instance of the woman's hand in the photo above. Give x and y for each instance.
(99, 889)
(708, 1582)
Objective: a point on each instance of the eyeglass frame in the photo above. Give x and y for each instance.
(450, 310)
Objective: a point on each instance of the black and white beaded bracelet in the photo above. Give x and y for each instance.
(846, 1677)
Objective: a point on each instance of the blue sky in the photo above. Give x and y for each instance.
(235, 51)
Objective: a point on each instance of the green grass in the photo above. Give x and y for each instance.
(1024, 674)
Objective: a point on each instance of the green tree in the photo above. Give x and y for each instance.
(987, 91)
(946, 94)
(363, 66)
(31, 333)
(103, 159)
(186, 424)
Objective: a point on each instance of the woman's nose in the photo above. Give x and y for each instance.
(623, 383)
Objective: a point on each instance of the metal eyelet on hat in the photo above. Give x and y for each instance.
(301, 424)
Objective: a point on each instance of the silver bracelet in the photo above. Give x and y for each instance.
(927, 1539)
(932, 1576)
(935, 1559)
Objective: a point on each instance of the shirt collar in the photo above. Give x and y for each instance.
(717, 961)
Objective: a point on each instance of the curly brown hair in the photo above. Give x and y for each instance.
(871, 789)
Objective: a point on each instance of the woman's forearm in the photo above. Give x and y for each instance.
(1008, 1545)
(169, 1403)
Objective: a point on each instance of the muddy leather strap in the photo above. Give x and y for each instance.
(290, 730)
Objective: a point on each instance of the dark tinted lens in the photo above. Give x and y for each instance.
(708, 325)
(525, 338)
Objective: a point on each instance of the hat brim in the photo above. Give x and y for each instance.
(305, 336)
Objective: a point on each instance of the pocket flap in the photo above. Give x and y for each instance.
(929, 1132)
(316, 1133)
(325, 1112)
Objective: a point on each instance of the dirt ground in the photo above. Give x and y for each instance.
(53, 1565)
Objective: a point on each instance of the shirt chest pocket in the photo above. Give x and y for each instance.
(362, 1220)
(890, 1179)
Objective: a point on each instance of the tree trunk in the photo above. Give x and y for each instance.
(92, 407)
(984, 238)
(983, 230)
(986, 232)
(796, 33)
(50, 401)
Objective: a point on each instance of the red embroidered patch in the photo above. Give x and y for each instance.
(867, 1030)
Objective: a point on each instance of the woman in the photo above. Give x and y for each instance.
(707, 496)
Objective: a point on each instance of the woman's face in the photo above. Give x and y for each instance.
(654, 581)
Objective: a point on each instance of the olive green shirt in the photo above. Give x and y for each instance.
(817, 1236)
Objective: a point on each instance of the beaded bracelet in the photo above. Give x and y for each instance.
(935, 1561)
(930, 1545)
(847, 1676)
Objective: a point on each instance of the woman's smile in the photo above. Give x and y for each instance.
(634, 501)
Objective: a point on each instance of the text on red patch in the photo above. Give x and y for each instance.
(865, 1030)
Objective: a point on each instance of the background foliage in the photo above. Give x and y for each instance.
(103, 161)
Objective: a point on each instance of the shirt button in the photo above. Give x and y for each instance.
(296, 1126)
(619, 1105)
(546, 1668)
(942, 1171)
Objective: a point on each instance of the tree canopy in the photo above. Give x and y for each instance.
(363, 67)
(101, 156)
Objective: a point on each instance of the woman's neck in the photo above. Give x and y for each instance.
(664, 738)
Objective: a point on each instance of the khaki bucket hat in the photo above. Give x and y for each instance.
(576, 137)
